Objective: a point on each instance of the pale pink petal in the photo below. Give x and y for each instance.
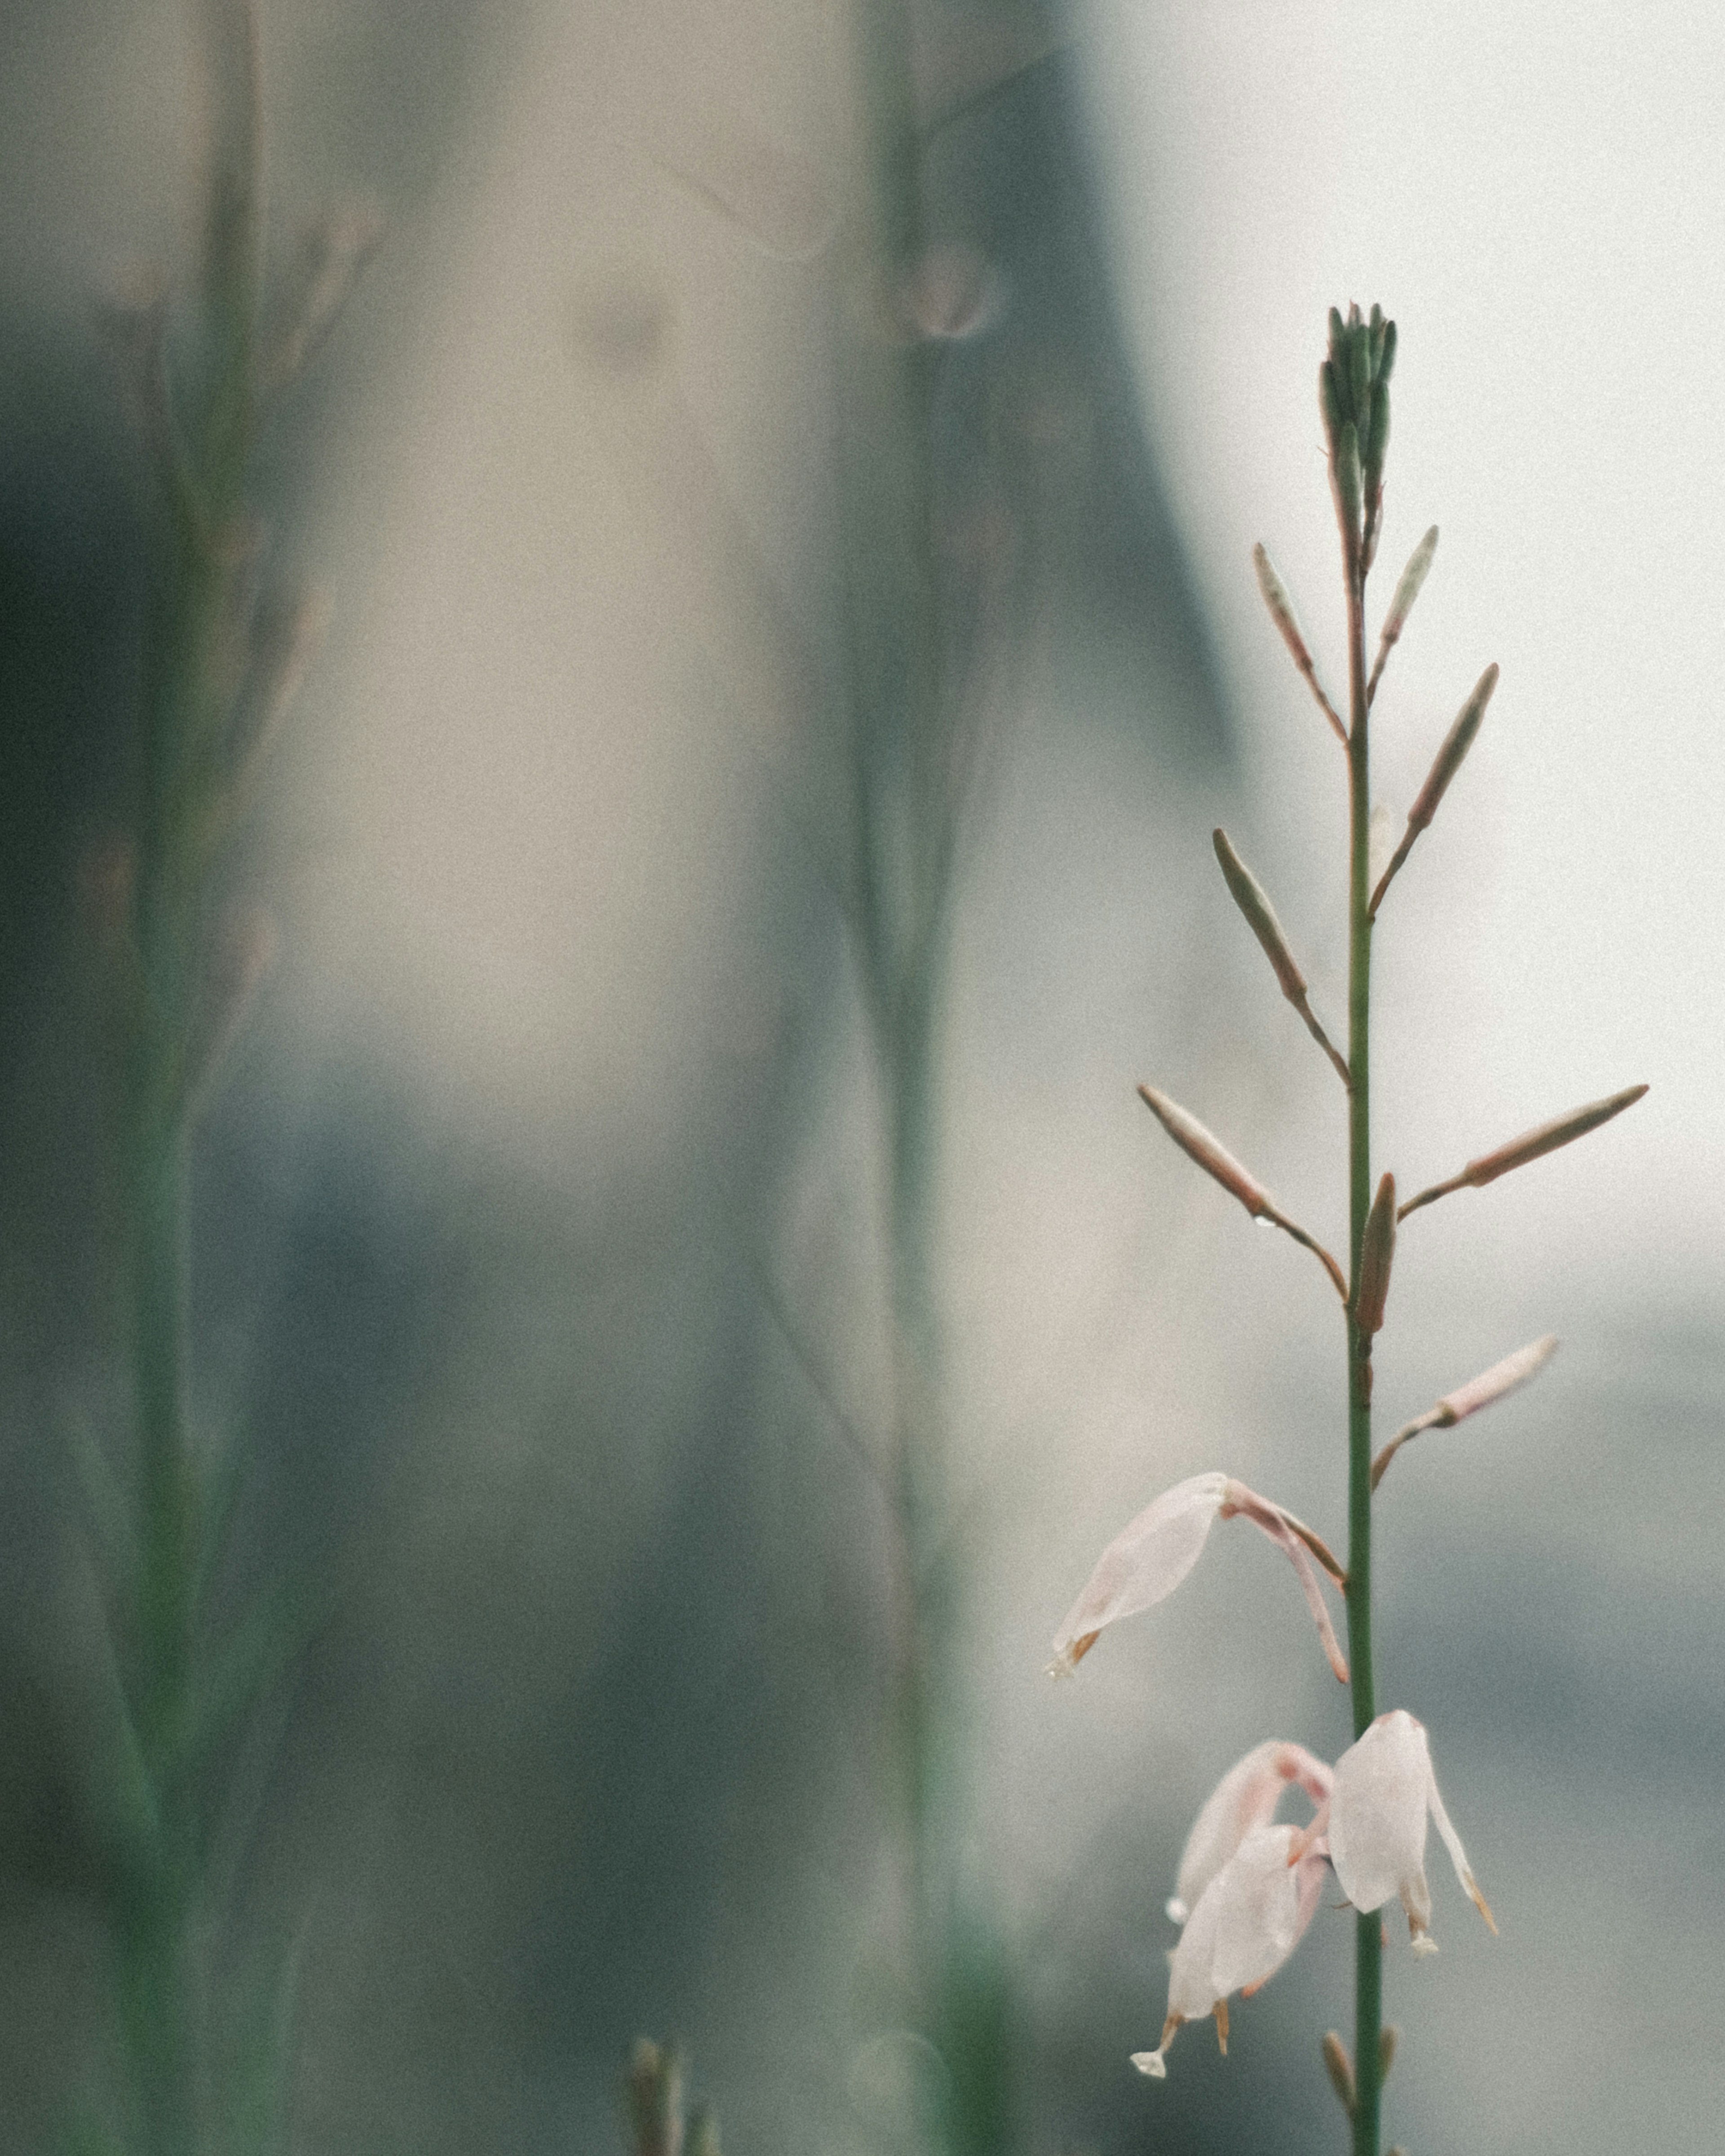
(1146, 1562)
(1246, 1797)
(1458, 1854)
(1279, 1526)
(1246, 1922)
(1377, 1822)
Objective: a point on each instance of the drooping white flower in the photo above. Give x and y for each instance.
(1147, 1561)
(1245, 1923)
(1382, 1790)
(1245, 1798)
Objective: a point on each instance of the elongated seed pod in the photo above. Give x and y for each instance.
(1456, 744)
(1377, 1254)
(1248, 896)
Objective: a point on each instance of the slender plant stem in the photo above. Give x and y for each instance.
(1369, 2005)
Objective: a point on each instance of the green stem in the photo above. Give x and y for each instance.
(1369, 2010)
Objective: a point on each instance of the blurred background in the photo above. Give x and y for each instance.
(679, 1246)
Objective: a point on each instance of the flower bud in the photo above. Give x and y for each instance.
(1406, 591)
(1214, 1158)
(1345, 467)
(1388, 2036)
(1248, 895)
(1562, 1130)
(1377, 1253)
(1456, 744)
(1282, 607)
(1340, 2069)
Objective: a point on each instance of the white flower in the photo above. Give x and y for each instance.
(1246, 1797)
(1147, 1561)
(1382, 1790)
(1247, 1921)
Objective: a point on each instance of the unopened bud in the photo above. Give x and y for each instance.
(1388, 2036)
(1562, 1130)
(1329, 400)
(1214, 1158)
(703, 2134)
(1481, 1392)
(1408, 589)
(1340, 2069)
(1248, 896)
(1345, 466)
(1282, 607)
(1377, 1253)
(1359, 372)
(1386, 364)
(1456, 744)
(1505, 1377)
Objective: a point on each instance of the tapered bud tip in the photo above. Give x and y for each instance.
(1152, 2063)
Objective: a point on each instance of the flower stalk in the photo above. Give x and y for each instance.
(1249, 1887)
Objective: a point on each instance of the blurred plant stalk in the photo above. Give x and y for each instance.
(221, 662)
(911, 698)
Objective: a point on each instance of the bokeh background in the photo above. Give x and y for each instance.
(545, 1234)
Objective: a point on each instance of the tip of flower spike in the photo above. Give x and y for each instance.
(1152, 2063)
(1178, 1912)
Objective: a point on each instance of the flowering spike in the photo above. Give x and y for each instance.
(1154, 1552)
(1377, 1253)
(1531, 1145)
(1214, 1158)
(1281, 612)
(1402, 605)
(1248, 896)
(1490, 1385)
